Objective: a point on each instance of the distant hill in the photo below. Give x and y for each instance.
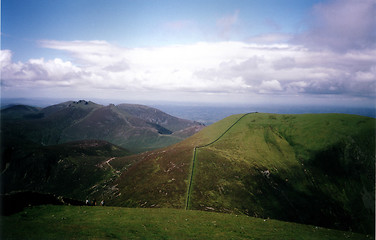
(134, 127)
(20, 111)
(310, 168)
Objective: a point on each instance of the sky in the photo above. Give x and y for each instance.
(317, 52)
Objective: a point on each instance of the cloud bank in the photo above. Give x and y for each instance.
(342, 25)
(335, 56)
(234, 67)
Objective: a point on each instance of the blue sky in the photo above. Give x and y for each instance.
(141, 23)
(240, 51)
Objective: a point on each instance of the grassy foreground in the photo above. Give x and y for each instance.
(68, 222)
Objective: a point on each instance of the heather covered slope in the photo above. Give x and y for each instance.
(76, 169)
(159, 178)
(67, 149)
(311, 168)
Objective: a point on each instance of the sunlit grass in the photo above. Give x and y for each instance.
(273, 165)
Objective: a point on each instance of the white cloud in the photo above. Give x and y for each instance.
(270, 86)
(5, 57)
(366, 76)
(91, 53)
(38, 72)
(220, 67)
(334, 55)
(270, 38)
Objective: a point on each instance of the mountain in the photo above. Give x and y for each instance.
(311, 168)
(66, 149)
(134, 127)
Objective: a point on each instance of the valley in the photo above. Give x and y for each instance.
(315, 169)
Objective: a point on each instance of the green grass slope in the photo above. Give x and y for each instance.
(68, 222)
(312, 168)
(316, 169)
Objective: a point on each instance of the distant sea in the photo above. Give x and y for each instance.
(208, 114)
(212, 114)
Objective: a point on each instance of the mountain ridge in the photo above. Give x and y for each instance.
(314, 169)
(135, 127)
(267, 165)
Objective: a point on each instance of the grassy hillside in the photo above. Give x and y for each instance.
(159, 178)
(312, 168)
(317, 169)
(68, 222)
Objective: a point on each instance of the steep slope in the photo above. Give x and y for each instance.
(156, 116)
(159, 178)
(316, 169)
(135, 127)
(139, 132)
(312, 168)
(75, 169)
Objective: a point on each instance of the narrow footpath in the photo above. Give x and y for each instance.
(107, 162)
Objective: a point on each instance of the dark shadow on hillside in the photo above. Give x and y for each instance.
(318, 205)
(16, 202)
